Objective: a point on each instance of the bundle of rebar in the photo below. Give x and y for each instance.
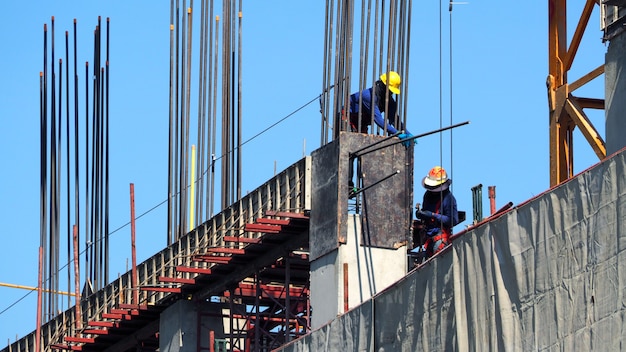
(218, 64)
(381, 44)
(94, 193)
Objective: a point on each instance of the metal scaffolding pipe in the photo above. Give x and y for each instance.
(492, 199)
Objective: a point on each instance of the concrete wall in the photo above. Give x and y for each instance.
(185, 326)
(368, 271)
(615, 94)
(548, 275)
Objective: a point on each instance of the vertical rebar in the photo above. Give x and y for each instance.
(170, 166)
(239, 99)
(67, 168)
(52, 209)
(214, 115)
(201, 114)
(77, 298)
(106, 162)
(43, 143)
(186, 145)
(87, 227)
(76, 150)
(210, 116)
(134, 284)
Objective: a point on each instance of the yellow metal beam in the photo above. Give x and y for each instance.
(591, 134)
(30, 288)
(566, 111)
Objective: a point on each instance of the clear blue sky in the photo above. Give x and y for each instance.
(499, 68)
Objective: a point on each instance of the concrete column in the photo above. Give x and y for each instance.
(356, 255)
(185, 326)
(615, 94)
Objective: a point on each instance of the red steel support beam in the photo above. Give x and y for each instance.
(79, 339)
(188, 269)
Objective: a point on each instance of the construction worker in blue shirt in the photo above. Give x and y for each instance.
(374, 97)
(438, 213)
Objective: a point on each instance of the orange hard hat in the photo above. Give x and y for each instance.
(437, 177)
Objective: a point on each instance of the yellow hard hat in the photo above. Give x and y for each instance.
(394, 81)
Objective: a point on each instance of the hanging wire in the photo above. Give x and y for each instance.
(451, 98)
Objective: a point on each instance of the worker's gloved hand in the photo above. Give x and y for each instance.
(426, 214)
(407, 143)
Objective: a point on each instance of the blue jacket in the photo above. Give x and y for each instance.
(379, 108)
(445, 214)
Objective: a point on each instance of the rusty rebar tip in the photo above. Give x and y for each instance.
(45, 27)
(74, 21)
(52, 18)
(40, 74)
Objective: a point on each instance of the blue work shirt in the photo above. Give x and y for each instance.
(379, 107)
(442, 203)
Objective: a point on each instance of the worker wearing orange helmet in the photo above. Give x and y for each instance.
(374, 98)
(438, 213)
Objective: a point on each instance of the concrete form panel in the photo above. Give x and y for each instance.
(387, 205)
(324, 227)
(546, 276)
